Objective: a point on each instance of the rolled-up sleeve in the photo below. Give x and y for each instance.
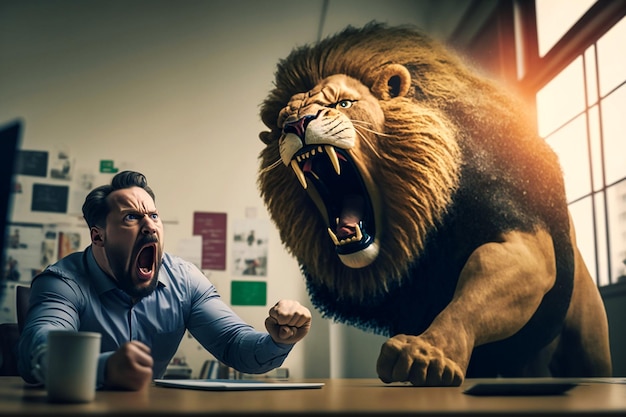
(227, 337)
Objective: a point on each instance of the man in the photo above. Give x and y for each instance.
(142, 300)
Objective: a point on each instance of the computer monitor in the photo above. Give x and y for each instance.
(10, 142)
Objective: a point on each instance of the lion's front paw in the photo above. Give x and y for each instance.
(410, 358)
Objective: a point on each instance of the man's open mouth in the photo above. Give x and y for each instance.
(146, 261)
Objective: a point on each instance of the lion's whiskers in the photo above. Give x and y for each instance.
(360, 126)
(270, 167)
(365, 126)
(367, 142)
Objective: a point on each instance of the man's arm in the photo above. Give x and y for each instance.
(226, 336)
(54, 305)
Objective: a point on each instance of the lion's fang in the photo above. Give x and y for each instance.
(299, 173)
(332, 155)
(329, 150)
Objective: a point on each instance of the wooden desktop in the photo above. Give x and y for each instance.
(338, 396)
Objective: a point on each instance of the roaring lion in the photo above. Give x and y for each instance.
(421, 204)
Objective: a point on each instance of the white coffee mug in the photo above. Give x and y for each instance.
(72, 365)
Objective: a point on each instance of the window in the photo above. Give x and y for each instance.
(568, 57)
(555, 17)
(580, 103)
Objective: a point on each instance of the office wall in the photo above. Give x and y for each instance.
(172, 89)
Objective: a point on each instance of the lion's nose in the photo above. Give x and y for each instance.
(298, 127)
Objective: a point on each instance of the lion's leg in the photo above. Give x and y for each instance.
(584, 350)
(498, 291)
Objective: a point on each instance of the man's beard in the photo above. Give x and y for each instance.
(125, 283)
(124, 278)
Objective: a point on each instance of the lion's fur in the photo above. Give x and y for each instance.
(458, 163)
(441, 110)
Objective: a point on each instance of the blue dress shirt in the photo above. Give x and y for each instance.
(76, 294)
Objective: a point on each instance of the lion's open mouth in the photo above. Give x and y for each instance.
(338, 184)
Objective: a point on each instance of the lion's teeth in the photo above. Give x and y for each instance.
(332, 155)
(356, 238)
(359, 234)
(299, 173)
(333, 237)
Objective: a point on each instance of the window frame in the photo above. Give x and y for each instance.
(503, 40)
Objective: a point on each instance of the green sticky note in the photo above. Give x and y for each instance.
(248, 293)
(107, 166)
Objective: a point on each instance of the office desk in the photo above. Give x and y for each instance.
(338, 396)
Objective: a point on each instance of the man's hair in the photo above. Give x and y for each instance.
(96, 206)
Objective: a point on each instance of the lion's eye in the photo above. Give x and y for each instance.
(345, 104)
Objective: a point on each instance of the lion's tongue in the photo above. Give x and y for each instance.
(351, 215)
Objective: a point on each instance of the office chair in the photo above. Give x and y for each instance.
(22, 301)
(10, 333)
